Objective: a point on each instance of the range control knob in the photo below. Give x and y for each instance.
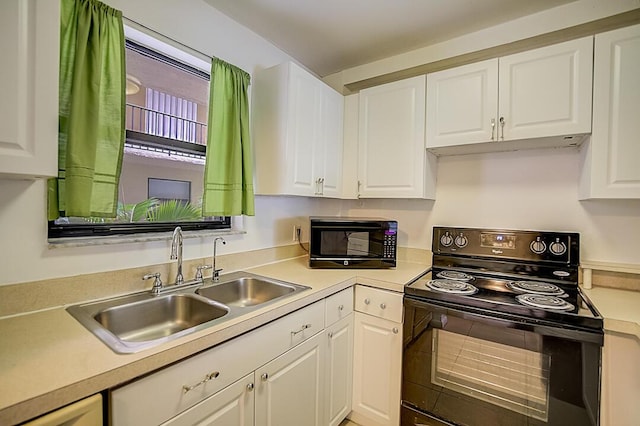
(446, 240)
(538, 246)
(461, 241)
(558, 248)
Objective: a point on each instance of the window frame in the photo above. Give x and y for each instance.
(97, 230)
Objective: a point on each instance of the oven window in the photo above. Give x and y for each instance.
(510, 377)
(344, 243)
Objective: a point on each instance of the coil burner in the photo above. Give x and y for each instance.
(452, 287)
(535, 287)
(545, 302)
(454, 275)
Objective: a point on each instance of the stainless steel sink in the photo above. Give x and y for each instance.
(244, 290)
(139, 321)
(132, 323)
(159, 317)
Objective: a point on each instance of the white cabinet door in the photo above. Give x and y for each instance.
(330, 146)
(305, 104)
(350, 149)
(610, 160)
(339, 370)
(289, 389)
(377, 369)
(392, 160)
(298, 134)
(29, 43)
(232, 406)
(547, 91)
(620, 380)
(462, 105)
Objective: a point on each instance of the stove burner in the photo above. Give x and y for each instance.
(452, 287)
(454, 275)
(535, 287)
(545, 302)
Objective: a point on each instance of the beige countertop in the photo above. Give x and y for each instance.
(619, 308)
(48, 359)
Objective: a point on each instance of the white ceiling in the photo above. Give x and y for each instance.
(328, 36)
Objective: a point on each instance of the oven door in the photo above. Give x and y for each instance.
(473, 369)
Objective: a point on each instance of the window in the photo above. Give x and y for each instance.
(161, 182)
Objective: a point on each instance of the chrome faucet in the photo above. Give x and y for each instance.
(216, 272)
(176, 253)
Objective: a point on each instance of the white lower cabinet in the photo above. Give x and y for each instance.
(377, 353)
(338, 370)
(290, 389)
(232, 406)
(620, 380)
(295, 370)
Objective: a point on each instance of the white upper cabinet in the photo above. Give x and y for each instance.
(542, 96)
(610, 167)
(29, 109)
(392, 160)
(462, 104)
(297, 133)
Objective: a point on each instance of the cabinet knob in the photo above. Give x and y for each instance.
(367, 301)
(383, 306)
(330, 334)
(265, 377)
(341, 307)
(395, 330)
(250, 387)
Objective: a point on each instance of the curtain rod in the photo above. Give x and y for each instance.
(155, 33)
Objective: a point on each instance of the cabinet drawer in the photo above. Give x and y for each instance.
(339, 306)
(211, 371)
(380, 303)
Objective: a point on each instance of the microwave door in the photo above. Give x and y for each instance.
(344, 244)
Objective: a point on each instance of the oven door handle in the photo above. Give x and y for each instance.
(438, 320)
(438, 317)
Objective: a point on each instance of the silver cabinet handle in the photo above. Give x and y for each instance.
(341, 307)
(207, 378)
(493, 127)
(502, 123)
(265, 377)
(367, 301)
(383, 306)
(303, 328)
(250, 387)
(321, 186)
(395, 330)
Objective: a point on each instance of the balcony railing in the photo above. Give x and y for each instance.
(150, 122)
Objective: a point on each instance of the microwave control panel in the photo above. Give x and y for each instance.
(390, 241)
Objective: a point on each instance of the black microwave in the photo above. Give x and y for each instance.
(349, 242)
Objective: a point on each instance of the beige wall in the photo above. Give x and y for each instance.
(531, 189)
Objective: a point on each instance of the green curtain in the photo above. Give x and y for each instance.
(228, 175)
(91, 110)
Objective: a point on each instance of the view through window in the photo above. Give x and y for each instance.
(166, 136)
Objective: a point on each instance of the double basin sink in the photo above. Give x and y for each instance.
(139, 321)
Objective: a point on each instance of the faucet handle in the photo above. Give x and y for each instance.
(199, 270)
(216, 274)
(157, 282)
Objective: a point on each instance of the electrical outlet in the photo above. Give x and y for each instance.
(296, 233)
